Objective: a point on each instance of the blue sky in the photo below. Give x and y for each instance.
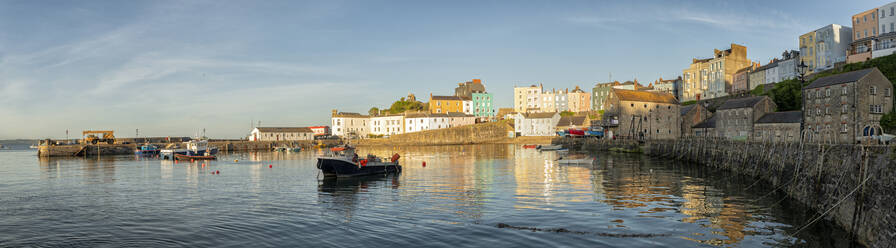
(172, 67)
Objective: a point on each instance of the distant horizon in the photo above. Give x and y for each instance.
(170, 68)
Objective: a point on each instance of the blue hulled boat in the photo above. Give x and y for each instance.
(147, 150)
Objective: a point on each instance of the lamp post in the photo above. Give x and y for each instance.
(801, 69)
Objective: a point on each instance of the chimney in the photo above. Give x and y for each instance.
(477, 81)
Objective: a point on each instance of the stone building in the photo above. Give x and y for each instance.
(847, 107)
(741, 82)
(706, 128)
(466, 89)
(637, 114)
(535, 124)
(864, 25)
(281, 134)
(778, 127)
(712, 77)
(691, 115)
(350, 125)
(576, 122)
(736, 116)
(460, 119)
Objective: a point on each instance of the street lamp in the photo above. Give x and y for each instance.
(801, 69)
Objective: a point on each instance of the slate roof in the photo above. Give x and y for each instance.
(746, 102)
(540, 115)
(644, 96)
(284, 129)
(424, 115)
(349, 114)
(686, 109)
(572, 121)
(458, 114)
(782, 117)
(442, 98)
(708, 123)
(840, 78)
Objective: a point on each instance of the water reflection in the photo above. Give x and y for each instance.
(462, 191)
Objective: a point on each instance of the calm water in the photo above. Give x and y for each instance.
(459, 199)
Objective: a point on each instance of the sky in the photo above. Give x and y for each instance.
(173, 68)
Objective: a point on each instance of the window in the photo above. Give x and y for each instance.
(887, 92)
(865, 19)
(844, 128)
(827, 92)
(843, 89)
(827, 110)
(873, 90)
(844, 109)
(817, 93)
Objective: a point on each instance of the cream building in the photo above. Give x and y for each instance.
(350, 125)
(579, 100)
(712, 77)
(535, 124)
(527, 98)
(827, 47)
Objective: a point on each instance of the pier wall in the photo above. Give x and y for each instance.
(817, 175)
(127, 149)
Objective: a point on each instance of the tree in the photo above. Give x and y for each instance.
(888, 122)
(401, 106)
(567, 113)
(374, 111)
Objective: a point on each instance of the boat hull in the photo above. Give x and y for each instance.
(333, 167)
(189, 157)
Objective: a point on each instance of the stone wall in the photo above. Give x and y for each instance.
(492, 132)
(818, 176)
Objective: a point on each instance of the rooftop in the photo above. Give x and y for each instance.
(846, 77)
(446, 98)
(540, 115)
(686, 109)
(782, 117)
(284, 129)
(572, 121)
(746, 102)
(708, 123)
(644, 96)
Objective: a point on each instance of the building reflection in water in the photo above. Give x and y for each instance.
(92, 169)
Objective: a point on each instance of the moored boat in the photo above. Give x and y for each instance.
(194, 157)
(147, 150)
(345, 162)
(530, 146)
(193, 148)
(549, 147)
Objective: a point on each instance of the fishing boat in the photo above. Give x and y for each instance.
(194, 157)
(344, 162)
(549, 147)
(192, 148)
(147, 150)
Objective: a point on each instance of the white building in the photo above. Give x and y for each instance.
(771, 73)
(832, 41)
(788, 67)
(468, 105)
(535, 124)
(387, 125)
(281, 134)
(886, 41)
(416, 122)
(458, 119)
(350, 125)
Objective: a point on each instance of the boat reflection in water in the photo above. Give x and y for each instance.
(343, 195)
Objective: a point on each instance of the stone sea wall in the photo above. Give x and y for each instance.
(855, 183)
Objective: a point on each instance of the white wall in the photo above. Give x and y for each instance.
(386, 125)
(535, 126)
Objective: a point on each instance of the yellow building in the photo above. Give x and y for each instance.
(807, 50)
(713, 77)
(445, 104)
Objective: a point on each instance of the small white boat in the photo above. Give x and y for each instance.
(576, 160)
(549, 147)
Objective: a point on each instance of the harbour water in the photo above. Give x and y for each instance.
(464, 196)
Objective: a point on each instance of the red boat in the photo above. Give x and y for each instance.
(529, 146)
(575, 132)
(188, 157)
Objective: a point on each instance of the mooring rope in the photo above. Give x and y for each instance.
(832, 207)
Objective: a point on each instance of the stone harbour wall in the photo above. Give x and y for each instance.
(819, 176)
